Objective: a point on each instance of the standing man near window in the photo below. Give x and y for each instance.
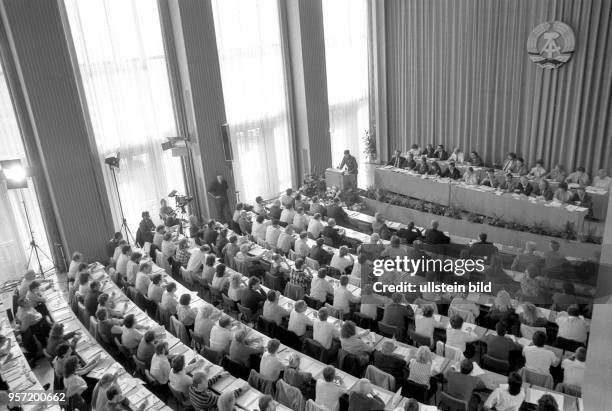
(351, 166)
(218, 189)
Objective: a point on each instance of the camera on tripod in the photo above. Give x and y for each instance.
(182, 201)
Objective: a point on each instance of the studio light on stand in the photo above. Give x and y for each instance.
(112, 161)
(16, 177)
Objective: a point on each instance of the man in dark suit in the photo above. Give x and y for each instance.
(218, 189)
(319, 254)
(435, 236)
(490, 180)
(336, 212)
(210, 234)
(510, 163)
(410, 163)
(483, 248)
(440, 153)
(428, 151)
(523, 186)
(275, 210)
(460, 384)
(409, 233)
(397, 160)
(386, 361)
(423, 168)
(331, 232)
(507, 186)
(582, 199)
(451, 172)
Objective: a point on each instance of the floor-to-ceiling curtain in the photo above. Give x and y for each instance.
(15, 235)
(118, 44)
(458, 73)
(346, 55)
(250, 56)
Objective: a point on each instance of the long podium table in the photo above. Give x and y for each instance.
(479, 199)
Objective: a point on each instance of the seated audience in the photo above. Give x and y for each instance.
(410, 233)
(287, 198)
(572, 326)
(531, 316)
(155, 291)
(538, 171)
(331, 234)
(294, 376)
(320, 287)
(499, 345)
(602, 180)
(205, 321)
(301, 247)
(273, 232)
(300, 275)
(185, 313)
(558, 174)
(258, 230)
(435, 236)
(236, 287)
(547, 403)
(426, 323)
(343, 297)
(363, 398)
(379, 227)
(397, 314)
(202, 397)
(182, 253)
(544, 192)
(521, 168)
(131, 268)
(272, 311)
(460, 384)
(451, 172)
(562, 301)
(538, 358)
(197, 258)
(350, 341)
(208, 271)
(421, 371)
(562, 194)
(456, 337)
(287, 214)
(241, 348)
(179, 378)
(253, 296)
(315, 226)
(168, 248)
(298, 320)
(143, 278)
(394, 249)
(526, 258)
(329, 389)
(130, 336)
(483, 248)
(578, 177)
(324, 331)
(460, 302)
(507, 398)
(271, 366)
(342, 260)
(501, 309)
(440, 153)
(122, 260)
(146, 348)
(220, 280)
(490, 180)
(260, 206)
(397, 160)
(221, 335)
(573, 368)
(386, 361)
(553, 259)
(530, 284)
(336, 212)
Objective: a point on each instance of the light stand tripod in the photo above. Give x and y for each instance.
(35, 249)
(124, 227)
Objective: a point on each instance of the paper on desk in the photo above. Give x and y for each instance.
(476, 371)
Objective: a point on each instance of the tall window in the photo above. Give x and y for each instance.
(250, 54)
(15, 235)
(122, 63)
(346, 54)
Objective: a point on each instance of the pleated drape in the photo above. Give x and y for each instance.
(458, 73)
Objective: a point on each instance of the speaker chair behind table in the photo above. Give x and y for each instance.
(261, 383)
(388, 331)
(273, 282)
(352, 364)
(535, 378)
(289, 338)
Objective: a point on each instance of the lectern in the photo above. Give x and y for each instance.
(337, 178)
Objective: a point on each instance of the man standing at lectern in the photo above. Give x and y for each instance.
(351, 166)
(218, 189)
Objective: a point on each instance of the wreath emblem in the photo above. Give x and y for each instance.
(551, 44)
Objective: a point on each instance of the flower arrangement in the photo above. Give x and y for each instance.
(369, 140)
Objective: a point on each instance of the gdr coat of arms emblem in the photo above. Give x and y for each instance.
(551, 44)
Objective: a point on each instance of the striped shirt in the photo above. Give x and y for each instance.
(203, 400)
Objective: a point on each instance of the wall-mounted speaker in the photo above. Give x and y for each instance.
(227, 142)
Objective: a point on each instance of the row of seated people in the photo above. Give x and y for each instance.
(512, 164)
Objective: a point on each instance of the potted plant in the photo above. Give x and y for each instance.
(370, 145)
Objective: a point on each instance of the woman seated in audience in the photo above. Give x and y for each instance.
(208, 272)
(434, 169)
(457, 337)
(351, 341)
(230, 249)
(421, 371)
(543, 191)
(490, 180)
(132, 268)
(271, 366)
(573, 368)
(168, 248)
(502, 309)
(538, 358)
(182, 253)
(130, 335)
(372, 249)
(205, 321)
(470, 177)
(362, 268)
(298, 320)
(475, 159)
(74, 386)
(221, 280)
(155, 290)
(342, 260)
(57, 337)
(179, 379)
(236, 287)
(252, 264)
(530, 285)
(202, 397)
(64, 352)
(285, 240)
(98, 396)
(160, 363)
(271, 310)
(185, 313)
(294, 377)
(108, 328)
(241, 348)
(169, 301)
(221, 242)
(531, 316)
(426, 323)
(143, 278)
(363, 398)
(329, 389)
(508, 398)
(562, 194)
(146, 347)
(115, 401)
(221, 335)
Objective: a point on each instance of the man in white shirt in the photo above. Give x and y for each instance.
(287, 214)
(572, 326)
(573, 368)
(221, 336)
(342, 259)
(169, 301)
(538, 358)
(258, 231)
(122, 260)
(143, 278)
(602, 180)
(197, 258)
(273, 232)
(343, 297)
(320, 287)
(301, 247)
(298, 321)
(323, 331)
(271, 366)
(457, 156)
(168, 248)
(300, 220)
(315, 226)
